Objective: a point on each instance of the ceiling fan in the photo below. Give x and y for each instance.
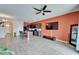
(42, 10)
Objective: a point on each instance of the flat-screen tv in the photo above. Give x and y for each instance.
(52, 26)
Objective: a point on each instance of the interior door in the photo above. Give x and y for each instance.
(73, 34)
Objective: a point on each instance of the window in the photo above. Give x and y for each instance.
(52, 26)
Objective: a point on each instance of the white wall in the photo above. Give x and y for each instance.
(17, 25)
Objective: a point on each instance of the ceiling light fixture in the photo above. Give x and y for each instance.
(4, 20)
(5, 15)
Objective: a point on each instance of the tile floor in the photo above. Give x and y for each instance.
(37, 46)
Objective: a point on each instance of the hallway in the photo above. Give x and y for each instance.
(39, 46)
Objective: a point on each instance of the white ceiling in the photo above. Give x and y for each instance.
(25, 12)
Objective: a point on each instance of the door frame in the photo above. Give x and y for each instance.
(71, 34)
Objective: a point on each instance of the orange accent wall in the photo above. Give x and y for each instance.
(64, 22)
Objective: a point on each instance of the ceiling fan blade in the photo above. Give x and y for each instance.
(38, 12)
(47, 11)
(44, 7)
(36, 9)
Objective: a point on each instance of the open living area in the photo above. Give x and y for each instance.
(39, 29)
